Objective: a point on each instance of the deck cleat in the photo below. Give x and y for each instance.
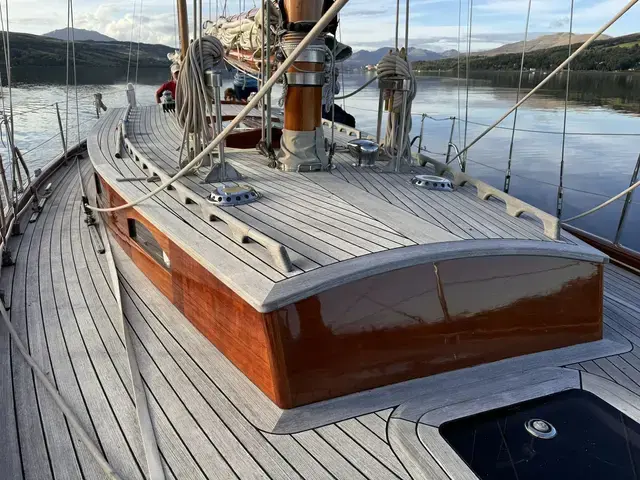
(432, 182)
(232, 195)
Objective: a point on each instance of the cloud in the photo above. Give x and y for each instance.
(365, 23)
(559, 23)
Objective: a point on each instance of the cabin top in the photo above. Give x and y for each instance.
(313, 231)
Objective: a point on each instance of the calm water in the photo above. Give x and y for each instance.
(603, 122)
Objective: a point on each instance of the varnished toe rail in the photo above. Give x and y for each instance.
(240, 231)
(514, 206)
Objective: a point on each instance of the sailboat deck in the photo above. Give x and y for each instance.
(336, 218)
(210, 421)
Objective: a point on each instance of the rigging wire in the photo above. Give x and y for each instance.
(133, 23)
(10, 134)
(344, 99)
(458, 75)
(468, 68)
(507, 176)
(586, 44)
(66, 99)
(397, 21)
(175, 26)
(2, 96)
(75, 83)
(564, 121)
(604, 204)
(358, 90)
(139, 34)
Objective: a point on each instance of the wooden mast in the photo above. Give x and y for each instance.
(303, 103)
(183, 27)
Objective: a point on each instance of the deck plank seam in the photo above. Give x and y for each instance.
(301, 446)
(370, 452)
(33, 230)
(320, 438)
(10, 349)
(166, 463)
(48, 222)
(251, 207)
(384, 439)
(68, 220)
(141, 344)
(358, 224)
(326, 227)
(318, 431)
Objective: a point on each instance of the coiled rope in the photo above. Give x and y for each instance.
(192, 95)
(395, 64)
(315, 31)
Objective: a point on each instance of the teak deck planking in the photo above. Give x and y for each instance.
(202, 426)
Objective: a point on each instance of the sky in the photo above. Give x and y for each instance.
(365, 24)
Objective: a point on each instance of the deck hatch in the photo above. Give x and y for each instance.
(594, 440)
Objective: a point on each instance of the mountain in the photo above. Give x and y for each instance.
(540, 43)
(79, 35)
(449, 53)
(365, 57)
(38, 50)
(617, 54)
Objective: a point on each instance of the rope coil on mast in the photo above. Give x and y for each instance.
(192, 95)
(396, 65)
(315, 31)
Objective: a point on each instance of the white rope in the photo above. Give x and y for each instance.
(605, 203)
(589, 41)
(315, 31)
(394, 65)
(192, 95)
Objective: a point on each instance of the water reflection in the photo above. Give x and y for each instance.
(596, 160)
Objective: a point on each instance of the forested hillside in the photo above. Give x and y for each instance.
(36, 50)
(613, 54)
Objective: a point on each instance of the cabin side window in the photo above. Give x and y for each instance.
(143, 237)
